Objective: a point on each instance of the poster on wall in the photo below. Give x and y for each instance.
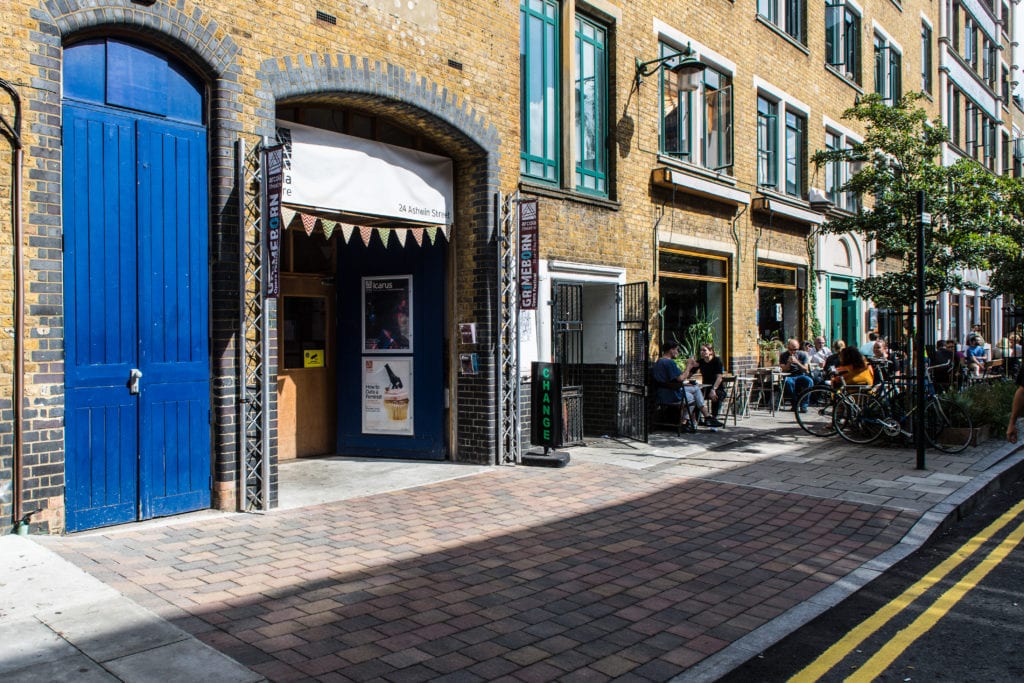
(387, 396)
(273, 173)
(387, 314)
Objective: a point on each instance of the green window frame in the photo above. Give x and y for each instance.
(842, 39)
(793, 17)
(796, 153)
(767, 143)
(926, 58)
(676, 106)
(681, 119)
(717, 121)
(833, 170)
(539, 88)
(591, 91)
(888, 71)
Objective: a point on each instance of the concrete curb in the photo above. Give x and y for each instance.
(1000, 469)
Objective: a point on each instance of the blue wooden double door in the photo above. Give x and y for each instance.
(136, 225)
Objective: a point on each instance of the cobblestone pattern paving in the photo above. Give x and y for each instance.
(591, 572)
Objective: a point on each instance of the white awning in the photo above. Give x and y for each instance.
(330, 171)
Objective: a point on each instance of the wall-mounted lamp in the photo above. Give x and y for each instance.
(688, 70)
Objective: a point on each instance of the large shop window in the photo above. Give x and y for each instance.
(780, 301)
(693, 288)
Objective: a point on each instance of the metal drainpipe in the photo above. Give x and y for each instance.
(14, 134)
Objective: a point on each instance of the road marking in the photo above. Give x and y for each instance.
(929, 617)
(845, 645)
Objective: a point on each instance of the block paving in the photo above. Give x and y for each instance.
(608, 568)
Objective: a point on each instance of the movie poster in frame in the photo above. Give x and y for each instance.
(387, 314)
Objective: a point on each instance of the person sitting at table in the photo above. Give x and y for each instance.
(853, 369)
(795, 365)
(977, 355)
(711, 371)
(942, 361)
(828, 368)
(673, 385)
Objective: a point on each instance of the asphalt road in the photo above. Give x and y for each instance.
(978, 639)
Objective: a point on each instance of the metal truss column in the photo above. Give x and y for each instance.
(509, 435)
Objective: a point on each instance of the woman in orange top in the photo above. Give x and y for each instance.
(853, 368)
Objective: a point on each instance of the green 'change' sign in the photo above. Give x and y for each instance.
(546, 405)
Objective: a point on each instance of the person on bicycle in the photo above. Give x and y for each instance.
(853, 369)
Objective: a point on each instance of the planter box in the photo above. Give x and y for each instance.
(978, 435)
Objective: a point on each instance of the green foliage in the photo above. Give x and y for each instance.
(987, 403)
(701, 331)
(974, 213)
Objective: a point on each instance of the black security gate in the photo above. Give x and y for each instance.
(567, 346)
(631, 361)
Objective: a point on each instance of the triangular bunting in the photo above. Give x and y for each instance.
(385, 235)
(431, 235)
(346, 231)
(328, 227)
(417, 234)
(287, 216)
(308, 222)
(366, 233)
(444, 232)
(400, 235)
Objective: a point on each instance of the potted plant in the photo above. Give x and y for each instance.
(769, 348)
(701, 331)
(988, 405)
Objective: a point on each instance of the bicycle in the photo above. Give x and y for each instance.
(821, 400)
(888, 409)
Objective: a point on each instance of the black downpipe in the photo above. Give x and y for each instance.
(13, 135)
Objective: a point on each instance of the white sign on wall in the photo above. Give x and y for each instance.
(336, 172)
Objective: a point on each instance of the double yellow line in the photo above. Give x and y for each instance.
(885, 656)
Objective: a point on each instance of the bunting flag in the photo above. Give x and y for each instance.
(328, 227)
(287, 215)
(346, 231)
(366, 233)
(309, 223)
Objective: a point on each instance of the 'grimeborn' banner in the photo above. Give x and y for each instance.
(528, 260)
(273, 174)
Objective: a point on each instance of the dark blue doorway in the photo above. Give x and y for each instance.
(423, 268)
(136, 225)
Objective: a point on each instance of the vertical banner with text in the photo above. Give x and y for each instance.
(528, 259)
(273, 175)
(546, 404)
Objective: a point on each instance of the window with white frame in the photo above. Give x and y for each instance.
(781, 145)
(926, 58)
(796, 153)
(767, 143)
(698, 126)
(842, 39)
(838, 173)
(970, 54)
(888, 70)
(789, 15)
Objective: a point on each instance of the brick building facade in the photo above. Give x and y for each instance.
(703, 196)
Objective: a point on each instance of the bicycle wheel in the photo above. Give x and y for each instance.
(947, 425)
(821, 402)
(859, 417)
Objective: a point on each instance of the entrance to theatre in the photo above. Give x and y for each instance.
(305, 380)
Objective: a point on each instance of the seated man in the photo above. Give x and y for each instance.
(795, 366)
(672, 384)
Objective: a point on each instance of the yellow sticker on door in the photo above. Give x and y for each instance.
(313, 358)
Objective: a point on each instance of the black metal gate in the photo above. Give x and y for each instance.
(567, 347)
(631, 362)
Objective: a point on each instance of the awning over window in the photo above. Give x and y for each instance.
(331, 172)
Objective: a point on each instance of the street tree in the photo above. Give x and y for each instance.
(901, 154)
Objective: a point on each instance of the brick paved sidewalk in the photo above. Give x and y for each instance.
(590, 572)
